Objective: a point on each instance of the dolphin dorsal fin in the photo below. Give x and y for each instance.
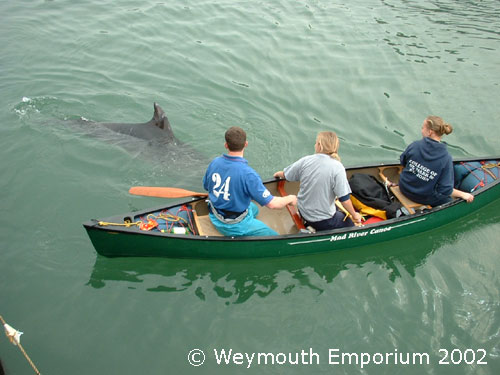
(161, 120)
(158, 116)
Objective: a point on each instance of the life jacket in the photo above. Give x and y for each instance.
(365, 210)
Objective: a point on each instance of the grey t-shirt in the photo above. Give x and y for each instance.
(322, 179)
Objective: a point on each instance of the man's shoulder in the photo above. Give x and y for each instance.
(227, 161)
(249, 172)
(215, 160)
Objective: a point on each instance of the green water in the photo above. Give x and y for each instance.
(283, 70)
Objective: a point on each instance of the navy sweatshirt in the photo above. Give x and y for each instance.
(427, 176)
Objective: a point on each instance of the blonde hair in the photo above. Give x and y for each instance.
(328, 144)
(438, 126)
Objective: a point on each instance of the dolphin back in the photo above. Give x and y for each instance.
(157, 129)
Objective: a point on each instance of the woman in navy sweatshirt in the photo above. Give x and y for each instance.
(427, 176)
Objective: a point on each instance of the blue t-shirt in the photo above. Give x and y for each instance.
(231, 184)
(427, 176)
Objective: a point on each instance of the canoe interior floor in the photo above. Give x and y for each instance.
(279, 220)
(204, 226)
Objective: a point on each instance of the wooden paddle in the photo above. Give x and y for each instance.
(164, 192)
(291, 209)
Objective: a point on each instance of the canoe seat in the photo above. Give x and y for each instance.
(202, 220)
(405, 201)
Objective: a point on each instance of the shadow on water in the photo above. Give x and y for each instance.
(236, 281)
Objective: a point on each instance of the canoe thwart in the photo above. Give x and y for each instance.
(405, 201)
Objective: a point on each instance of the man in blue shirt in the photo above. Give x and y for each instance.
(232, 185)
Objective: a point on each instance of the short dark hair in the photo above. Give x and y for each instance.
(235, 138)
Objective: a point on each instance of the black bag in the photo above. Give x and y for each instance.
(371, 192)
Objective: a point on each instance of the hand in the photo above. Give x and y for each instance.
(279, 174)
(468, 197)
(390, 183)
(280, 202)
(356, 218)
(463, 195)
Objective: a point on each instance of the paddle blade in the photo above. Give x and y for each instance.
(164, 192)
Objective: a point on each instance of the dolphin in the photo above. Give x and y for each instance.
(157, 129)
(155, 142)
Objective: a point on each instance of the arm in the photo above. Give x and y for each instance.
(261, 195)
(403, 158)
(444, 185)
(462, 194)
(280, 202)
(205, 182)
(292, 172)
(355, 216)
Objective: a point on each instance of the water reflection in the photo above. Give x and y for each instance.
(236, 281)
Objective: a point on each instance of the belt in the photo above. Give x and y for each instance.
(229, 214)
(228, 217)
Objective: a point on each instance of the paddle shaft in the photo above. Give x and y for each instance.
(291, 209)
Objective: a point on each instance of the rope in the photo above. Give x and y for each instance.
(471, 171)
(488, 166)
(106, 223)
(16, 342)
(164, 215)
(485, 168)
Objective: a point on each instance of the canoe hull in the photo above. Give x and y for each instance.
(118, 241)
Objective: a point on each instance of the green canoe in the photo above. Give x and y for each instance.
(184, 230)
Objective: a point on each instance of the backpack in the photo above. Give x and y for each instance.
(371, 192)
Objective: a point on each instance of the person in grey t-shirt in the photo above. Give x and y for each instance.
(322, 179)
